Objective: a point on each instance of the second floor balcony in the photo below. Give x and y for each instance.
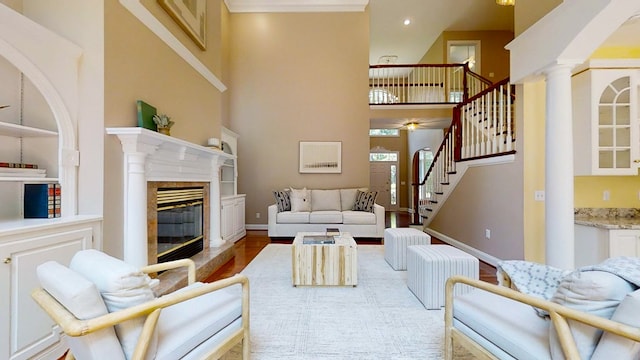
(421, 84)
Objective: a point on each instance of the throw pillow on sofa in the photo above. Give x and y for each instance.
(325, 200)
(283, 200)
(300, 200)
(623, 348)
(594, 292)
(365, 201)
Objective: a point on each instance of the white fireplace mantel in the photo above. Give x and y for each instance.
(151, 156)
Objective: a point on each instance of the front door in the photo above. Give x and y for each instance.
(382, 180)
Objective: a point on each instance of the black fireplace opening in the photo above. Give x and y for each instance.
(180, 222)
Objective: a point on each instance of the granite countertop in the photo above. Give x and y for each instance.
(614, 218)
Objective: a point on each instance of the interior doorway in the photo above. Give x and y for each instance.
(383, 178)
(464, 51)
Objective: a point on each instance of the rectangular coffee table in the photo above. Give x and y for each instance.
(324, 264)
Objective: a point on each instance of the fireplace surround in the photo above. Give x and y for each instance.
(152, 157)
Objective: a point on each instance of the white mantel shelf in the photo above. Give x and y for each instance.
(151, 156)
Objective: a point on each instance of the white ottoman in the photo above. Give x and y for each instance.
(429, 267)
(396, 241)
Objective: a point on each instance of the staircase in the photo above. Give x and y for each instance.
(482, 132)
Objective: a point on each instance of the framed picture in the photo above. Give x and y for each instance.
(191, 15)
(320, 157)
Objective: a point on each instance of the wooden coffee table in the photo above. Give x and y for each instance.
(324, 264)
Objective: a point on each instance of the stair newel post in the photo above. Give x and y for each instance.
(415, 184)
(464, 82)
(457, 130)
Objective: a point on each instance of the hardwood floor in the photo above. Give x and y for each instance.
(248, 247)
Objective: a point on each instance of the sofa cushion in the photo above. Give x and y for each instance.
(500, 320)
(594, 292)
(121, 285)
(325, 200)
(348, 198)
(358, 217)
(365, 201)
(81, 297)
(300, 200)
(283, 201)
(626, 313)
(325, 217)
(289, 217)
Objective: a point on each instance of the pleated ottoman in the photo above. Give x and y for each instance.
(396, 241)
(429, 267)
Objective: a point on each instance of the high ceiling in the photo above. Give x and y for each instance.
(429, 18)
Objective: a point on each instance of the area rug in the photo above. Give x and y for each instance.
(378, 319)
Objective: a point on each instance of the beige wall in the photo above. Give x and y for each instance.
(138, 65)
(494, 57)
(297, 77)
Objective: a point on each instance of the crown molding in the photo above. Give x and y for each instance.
(245, 6)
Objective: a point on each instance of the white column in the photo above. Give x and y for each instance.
(559, 217)
(135, 217)
(215, 240)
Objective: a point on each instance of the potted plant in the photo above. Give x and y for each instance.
(163, 123)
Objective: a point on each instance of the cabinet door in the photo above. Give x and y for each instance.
(624, 243)
(616, 144)
(238, 218)
(226, 219)
(25, 329)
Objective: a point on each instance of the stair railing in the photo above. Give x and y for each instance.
(423, 84)
(482, 126)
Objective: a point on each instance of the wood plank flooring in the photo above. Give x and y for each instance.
(248, 248)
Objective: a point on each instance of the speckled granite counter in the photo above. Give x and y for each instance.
(615, 218)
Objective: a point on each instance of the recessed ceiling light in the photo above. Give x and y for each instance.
(407, 22)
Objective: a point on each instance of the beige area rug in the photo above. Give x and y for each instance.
(378, 319)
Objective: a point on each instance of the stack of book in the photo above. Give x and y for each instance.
(42, 201)
(9, 169)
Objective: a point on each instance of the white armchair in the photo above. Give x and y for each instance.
(590, 314)
(108, 310)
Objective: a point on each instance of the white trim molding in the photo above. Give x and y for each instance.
(246, 6)
(489, 259)
(150, 21)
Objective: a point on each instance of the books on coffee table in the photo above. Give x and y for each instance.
(333, 232)
(318, 240)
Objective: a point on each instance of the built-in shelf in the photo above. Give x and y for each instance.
(28, 179)
(15, 130)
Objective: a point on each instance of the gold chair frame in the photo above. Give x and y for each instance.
(559, 315)
(73, 326)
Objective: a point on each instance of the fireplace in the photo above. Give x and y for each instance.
(177, 220)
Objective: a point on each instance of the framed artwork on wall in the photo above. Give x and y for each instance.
(320, 157)
(191, 15)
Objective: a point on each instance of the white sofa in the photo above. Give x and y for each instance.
(327, 209)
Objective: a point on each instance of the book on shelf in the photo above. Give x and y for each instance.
(22, 172)
(42, 201)
(18, 165)
(318, 240)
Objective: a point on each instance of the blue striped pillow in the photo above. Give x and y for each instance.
(365, 201)
(282, 200)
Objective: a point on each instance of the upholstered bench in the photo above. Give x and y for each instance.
(429, 267)
(396, 241)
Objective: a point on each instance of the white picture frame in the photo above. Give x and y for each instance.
(320, 157)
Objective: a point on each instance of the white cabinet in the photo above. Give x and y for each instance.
(605, 119)
(624, 243)
(233, 221)
(26, 332)
(594, 245)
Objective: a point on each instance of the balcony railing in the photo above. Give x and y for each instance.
(423, 84)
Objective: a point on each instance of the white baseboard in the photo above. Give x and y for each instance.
(256, 227)
(489, 259)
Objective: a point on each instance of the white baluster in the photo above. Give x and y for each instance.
(509, 120)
